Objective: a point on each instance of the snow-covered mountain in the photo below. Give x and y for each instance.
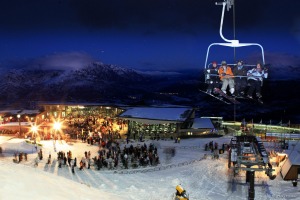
(98, 82)
(94, 82)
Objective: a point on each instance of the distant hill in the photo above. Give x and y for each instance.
(98, 82)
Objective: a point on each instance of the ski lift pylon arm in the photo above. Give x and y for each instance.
(222, 19)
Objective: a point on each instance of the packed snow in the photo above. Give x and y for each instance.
(202, 178)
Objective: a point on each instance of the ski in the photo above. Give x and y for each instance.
(231, 99)
(256, 100)
(216, 97)
(250, 100)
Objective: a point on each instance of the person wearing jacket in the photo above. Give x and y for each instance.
(226, 76)
(212, 77)
(255, 80)
(240, 78)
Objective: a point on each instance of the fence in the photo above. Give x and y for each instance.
(160, 168)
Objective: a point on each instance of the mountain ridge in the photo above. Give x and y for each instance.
(98, 82)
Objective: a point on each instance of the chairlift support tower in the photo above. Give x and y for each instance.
(248, 153)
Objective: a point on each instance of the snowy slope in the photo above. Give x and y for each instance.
(202, 178)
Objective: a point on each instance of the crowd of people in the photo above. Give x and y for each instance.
(109, 156)
(91, 129)
(214, 148)
(140, 155)
(240, 81)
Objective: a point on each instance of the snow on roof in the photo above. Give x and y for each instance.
(29, 112)
(21, 112)
(165, 114)
(73, 103)
(9, 111)
(294, 154)
(82, 103)
(295, 157)
(202, 123)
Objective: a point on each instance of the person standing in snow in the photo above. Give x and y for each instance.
(41, 154)
(65, 159)
(75, 162)
(60, 162)
(72, 166)
(36, 161)
(88, 163)
(49, 159)
(126, 161)
(69, 157)
(81, 165)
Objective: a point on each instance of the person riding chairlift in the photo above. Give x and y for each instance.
(212, 80)
(240, 79)
(255, 80)
(226, 76)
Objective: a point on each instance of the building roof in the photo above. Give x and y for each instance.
(155, 115)
(20, 112)
(294, 154)
(202, 123)
(73, 103)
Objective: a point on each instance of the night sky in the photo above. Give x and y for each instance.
(143, 34)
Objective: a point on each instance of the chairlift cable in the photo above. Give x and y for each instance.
(234, 50)
(233, 19)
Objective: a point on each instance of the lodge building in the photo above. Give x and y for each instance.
(147, 122)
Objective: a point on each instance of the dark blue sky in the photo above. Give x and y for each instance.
(142, 34)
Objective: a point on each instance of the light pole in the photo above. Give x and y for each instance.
(34, 130)
(57, 127)
(19, 116)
